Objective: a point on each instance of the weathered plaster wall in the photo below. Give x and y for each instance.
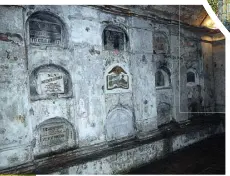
(219, 75)
(126, 160)
(209, 104)
(79, 110)
(15, 131)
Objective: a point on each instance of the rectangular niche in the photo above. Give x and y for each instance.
(113, 39)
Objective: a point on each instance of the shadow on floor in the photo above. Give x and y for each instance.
(205, 157)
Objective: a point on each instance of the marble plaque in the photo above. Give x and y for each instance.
(51, 82)
(119, 124)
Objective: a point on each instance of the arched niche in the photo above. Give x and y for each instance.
(117, 79)
(45, 28)
(54, 134)
(119, 125)
(162, 78)
(50, 81)
(192, 77)
(160, 43)
(115, 38)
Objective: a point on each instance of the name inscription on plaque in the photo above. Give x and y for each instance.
(55, 132)
(51, 83)
(53, 135)
(43, 32)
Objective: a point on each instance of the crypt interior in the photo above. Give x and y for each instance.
(107, 89)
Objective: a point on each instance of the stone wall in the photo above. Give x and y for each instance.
(74, 77)
(219, 75)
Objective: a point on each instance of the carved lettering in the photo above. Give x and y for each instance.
(55, 132)
(53, 135)
(43, 32)
(51, 83)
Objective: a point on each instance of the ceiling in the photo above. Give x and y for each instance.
(189, 14)
(193, 15)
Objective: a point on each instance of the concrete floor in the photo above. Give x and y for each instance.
(205, 157)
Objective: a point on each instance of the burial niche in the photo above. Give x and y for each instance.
(160, 43)
(119, 125)
(45, 29)
(117, 79)
(114, 38)
(54, 134)
(50, 81)
(159, 77)
(162, 78)
(192, 77)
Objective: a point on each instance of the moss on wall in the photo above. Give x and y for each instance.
(214, 5)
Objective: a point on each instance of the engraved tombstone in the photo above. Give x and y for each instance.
(49, 81)
(45, 29)
(119, 125)
(54, 134)
(42, 32)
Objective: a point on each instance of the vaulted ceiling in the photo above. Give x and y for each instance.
(194, 15)
(189, 14)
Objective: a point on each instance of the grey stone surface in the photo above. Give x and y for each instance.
(53, 78)
(119, 124)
